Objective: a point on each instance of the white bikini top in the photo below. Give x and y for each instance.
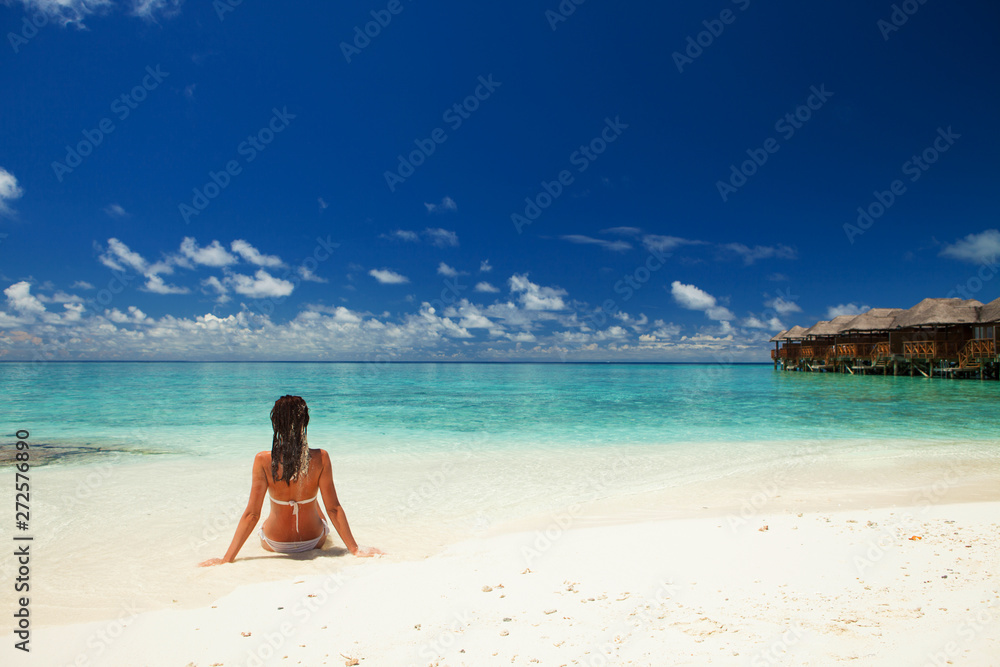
(295, 505)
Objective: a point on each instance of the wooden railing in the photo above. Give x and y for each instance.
(974, 351)
(854, 350)
(817, 351)
(881, 351)
(930, 349)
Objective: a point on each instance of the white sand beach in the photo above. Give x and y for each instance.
(909, 585)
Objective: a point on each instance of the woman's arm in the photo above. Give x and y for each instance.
(251, 515)
(336, 512)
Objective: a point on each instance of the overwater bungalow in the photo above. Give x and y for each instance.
(792, 344)
(943, 337)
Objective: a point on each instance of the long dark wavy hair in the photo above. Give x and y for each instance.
(289, 448)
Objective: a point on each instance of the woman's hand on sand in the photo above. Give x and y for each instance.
(210, 561)
(368, 552)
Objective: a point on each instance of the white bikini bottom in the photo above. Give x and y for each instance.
(295, 547)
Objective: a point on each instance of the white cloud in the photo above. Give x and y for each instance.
(485, 266)
(773, 324)
(534, 297)
(252, 255)
(637, 324)
(782, 306)
(340, 314)
(622, 231)
(693, 298)
(307, 274)
(322, 203)
(75, 11)
(665, 329)
(148, 9)
(470, 316)
(73, 312)
(60, 297)
(118, 254)
(486, 287)
(442, 238)
(116, 211)
(402, 235)
(447, 204)
(615, 246)
(845, 309)
(445, 270)
(82, 284)
(67, 11)
(164, 266)
(261, 285)
(388, 277)
(133, 316)
(211, 255)
(658, 243)
(981, 248)
(751, 255)
(213, 283)
(720, 313)
(155, 284)
(20, 298)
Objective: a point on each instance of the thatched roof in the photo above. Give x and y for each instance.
(933, 312)
(990, 312)
(843, 321)
(876, 319)
(831, 327)
(927, 313)
(795, 333)
(816, 329)
(778, 336)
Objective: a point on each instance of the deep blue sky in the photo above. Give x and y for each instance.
(780, 235)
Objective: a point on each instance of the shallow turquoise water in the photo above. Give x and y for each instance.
(222, 408)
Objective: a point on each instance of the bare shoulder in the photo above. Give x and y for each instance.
(262, 458)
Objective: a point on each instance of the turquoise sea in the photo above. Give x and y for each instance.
(221, 409)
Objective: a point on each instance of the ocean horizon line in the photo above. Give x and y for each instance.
(398, 361)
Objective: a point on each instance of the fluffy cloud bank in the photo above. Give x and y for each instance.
(532, 322)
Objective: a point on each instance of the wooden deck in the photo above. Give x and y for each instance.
(975, 358)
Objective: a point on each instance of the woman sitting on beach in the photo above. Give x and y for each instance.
(293, 476)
